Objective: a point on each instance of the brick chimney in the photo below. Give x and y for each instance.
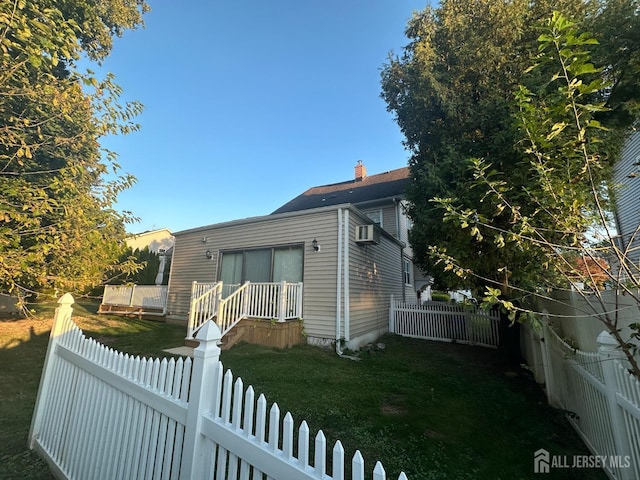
(361, 171)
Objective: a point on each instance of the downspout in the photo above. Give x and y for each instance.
(345, 266)
(339, 284)
(397, 202)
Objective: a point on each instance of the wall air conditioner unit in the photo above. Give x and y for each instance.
(367, 234)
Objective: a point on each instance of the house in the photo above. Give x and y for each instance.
(627, 199)
(381, 197)
(345, 244)
(158, 241)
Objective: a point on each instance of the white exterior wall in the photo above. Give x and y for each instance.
(319, 297)
(155, 240)
(375, 273)
(628, 195)
(574, 319)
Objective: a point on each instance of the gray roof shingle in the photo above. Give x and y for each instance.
(375, 187)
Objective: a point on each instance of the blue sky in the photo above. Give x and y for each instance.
(248, 103)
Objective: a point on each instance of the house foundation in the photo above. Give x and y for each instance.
(259, 331)
(269, 333)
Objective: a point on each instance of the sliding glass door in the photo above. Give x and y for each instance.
(274, 264)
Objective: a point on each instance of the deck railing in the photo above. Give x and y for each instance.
(205, 298)
(142, 296)
(228, 304)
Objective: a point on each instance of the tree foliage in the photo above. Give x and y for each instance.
(58, 227)
(567, 147)
(452, 92)
(512, 187)
(150, 263)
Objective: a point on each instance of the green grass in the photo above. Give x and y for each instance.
(434, 410)
(23, 345)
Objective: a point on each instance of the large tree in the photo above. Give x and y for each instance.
(58, 225)
(452, 92)
(512, 182)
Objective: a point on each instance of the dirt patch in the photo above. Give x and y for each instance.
(393, 406)
(433, 434)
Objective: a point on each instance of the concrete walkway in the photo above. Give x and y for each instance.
(182, 351)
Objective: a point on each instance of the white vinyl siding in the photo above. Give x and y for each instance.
(375, 274)
(319, 276)
(627, 177)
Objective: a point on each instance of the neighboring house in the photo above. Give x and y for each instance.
(346, 243)
(627, 179)
(158, 241)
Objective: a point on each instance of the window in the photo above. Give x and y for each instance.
(375, 216)
(274, 264)
(406, 271)
(287, 264)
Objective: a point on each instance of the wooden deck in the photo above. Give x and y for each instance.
(134, 311)
(262, 332)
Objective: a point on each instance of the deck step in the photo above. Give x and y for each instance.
(232, 337)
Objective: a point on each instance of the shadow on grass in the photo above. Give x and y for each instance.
(434, 410)
(23, 345)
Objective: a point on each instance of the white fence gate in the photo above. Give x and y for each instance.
(445, 322)
(601, 396)
(102, 414)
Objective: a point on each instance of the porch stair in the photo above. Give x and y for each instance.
(265, 302)
(233, 336)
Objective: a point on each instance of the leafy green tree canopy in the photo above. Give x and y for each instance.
(58, 227)
(512, 169)
(452, 92)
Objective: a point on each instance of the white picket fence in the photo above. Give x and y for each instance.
(601, 397)
(445, 322)
(102, 414)
(145, 297)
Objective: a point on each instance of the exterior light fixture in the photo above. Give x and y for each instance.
(315, 245)
(208, 254)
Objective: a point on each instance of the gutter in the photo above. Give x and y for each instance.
(339, 284)
(345, 266)
(404, 294)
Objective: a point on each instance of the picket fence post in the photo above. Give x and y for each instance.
(609, 353)
(392, 314)
(203, 392)
(62, 324)
(547, 365)
(468, 327)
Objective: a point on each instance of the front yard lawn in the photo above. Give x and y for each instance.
(434, 410)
